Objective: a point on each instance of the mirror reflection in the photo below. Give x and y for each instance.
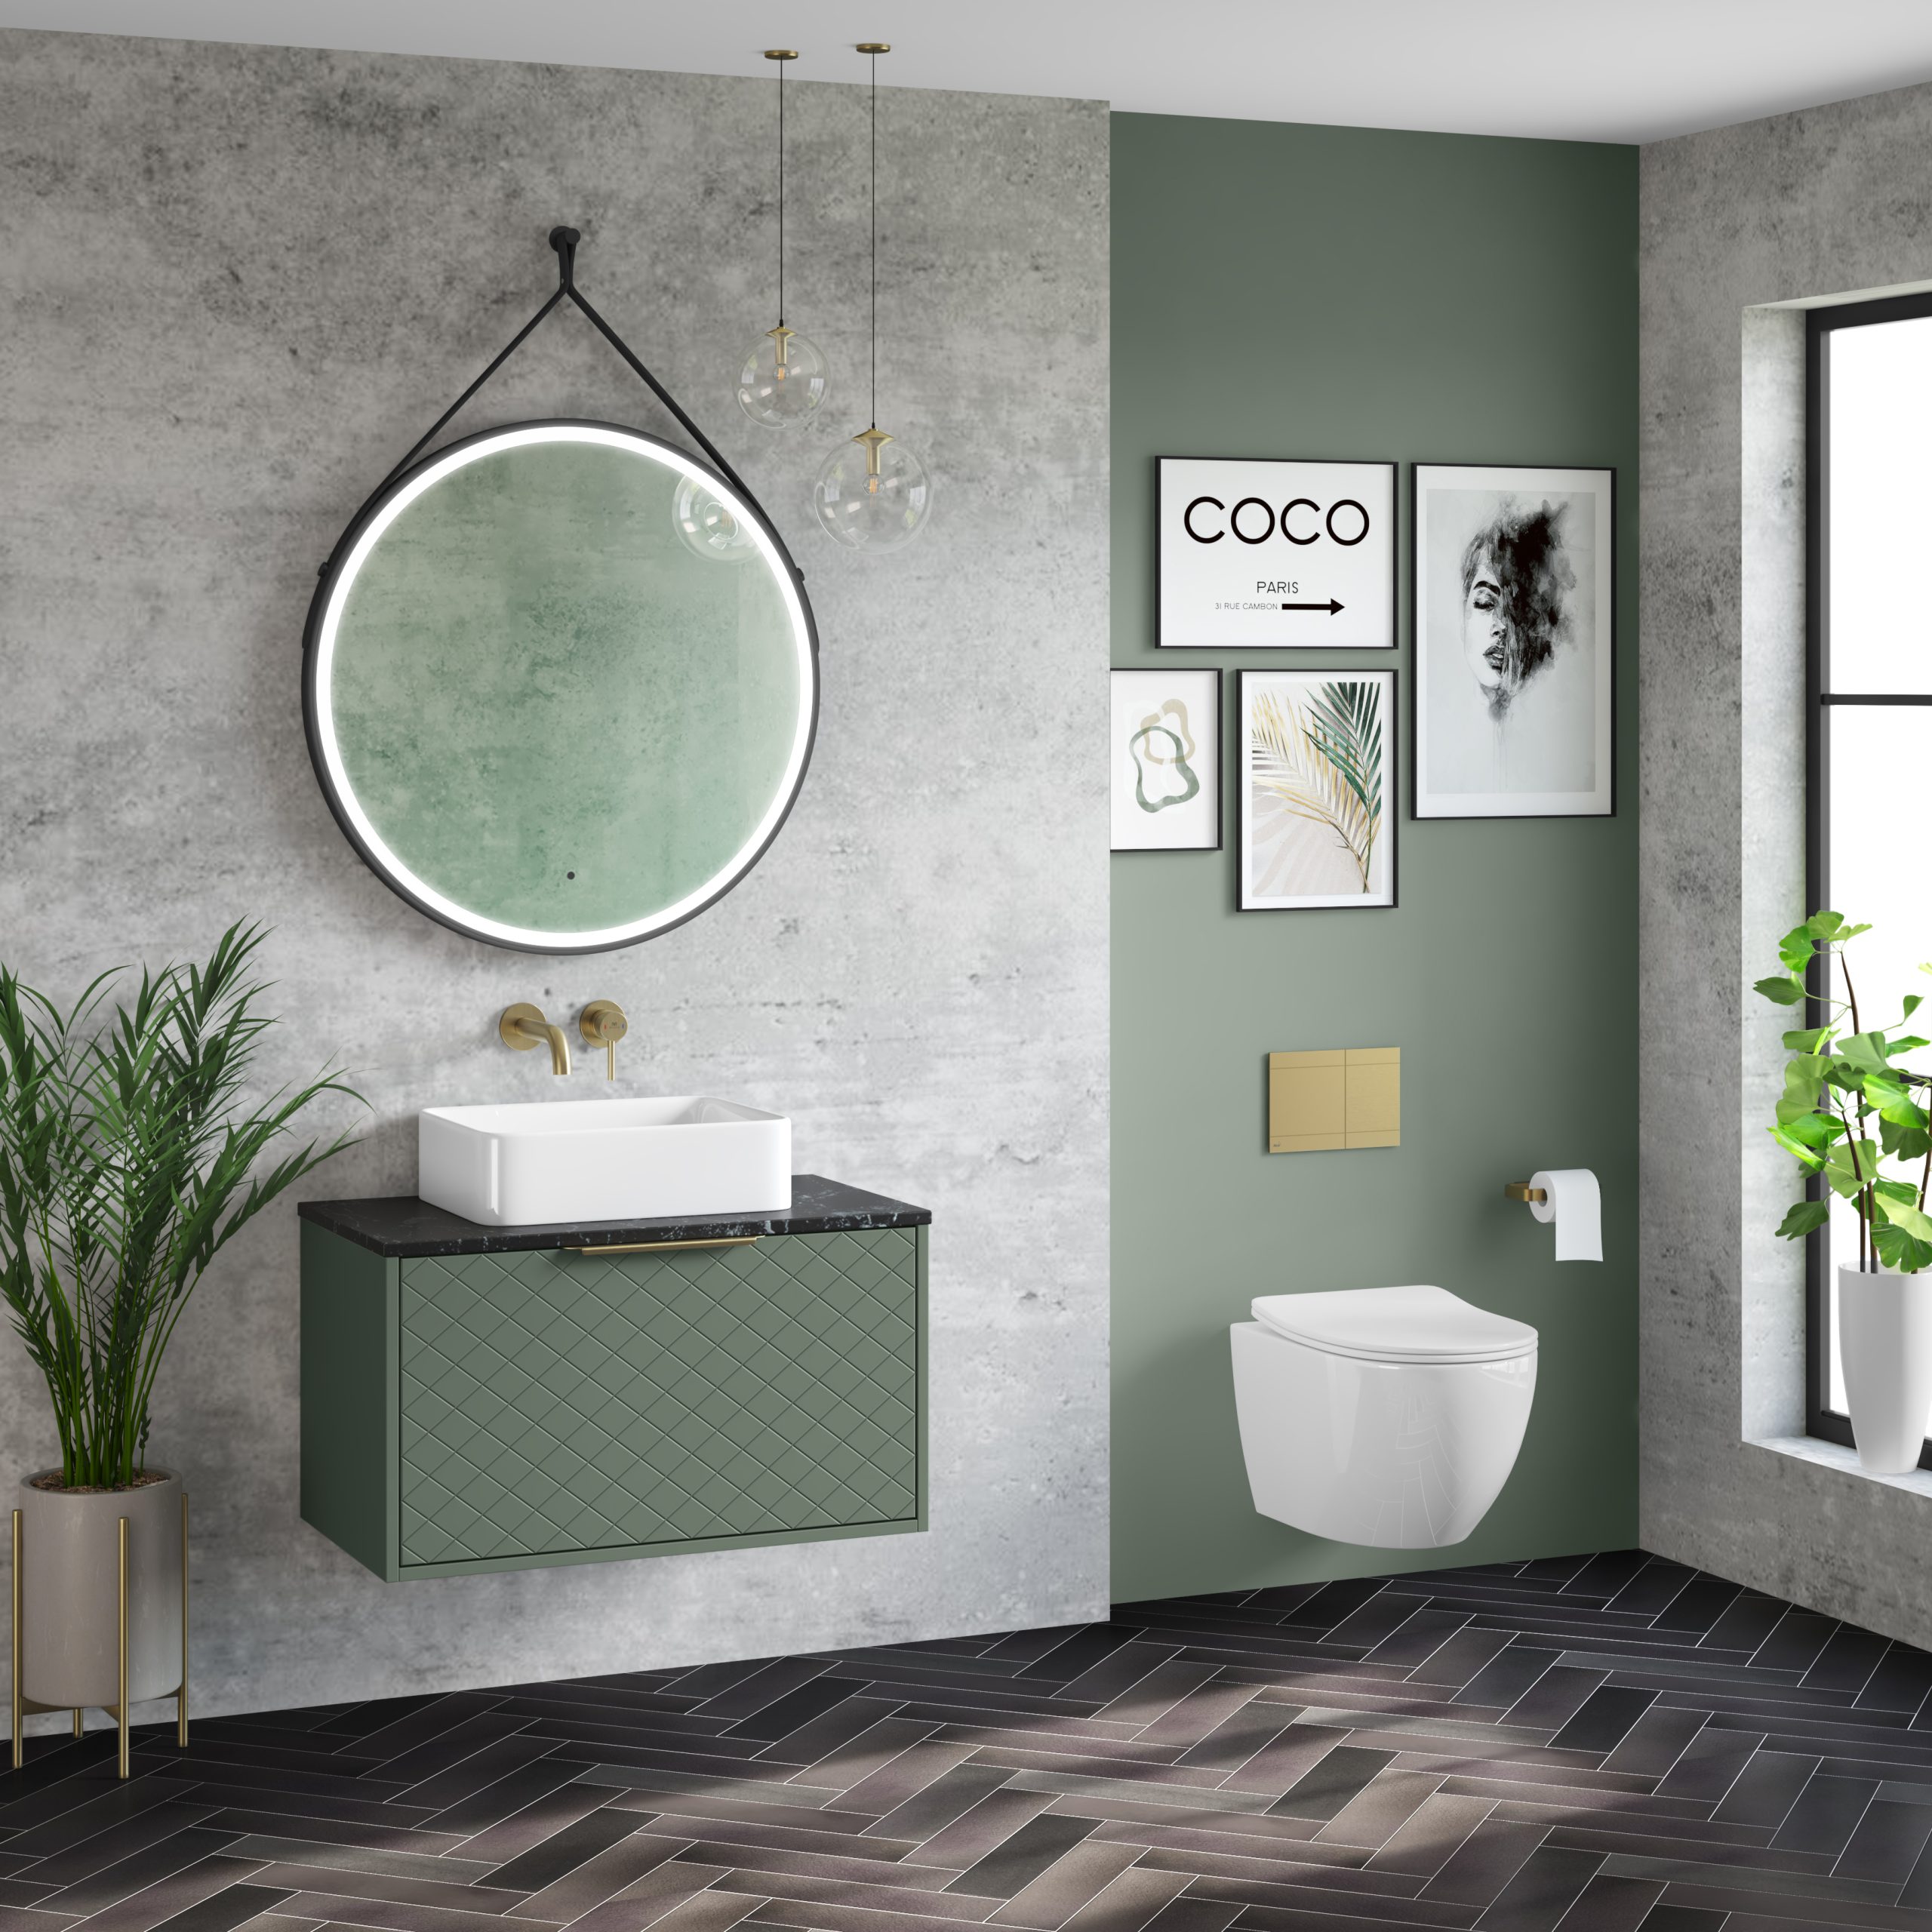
(562, 686)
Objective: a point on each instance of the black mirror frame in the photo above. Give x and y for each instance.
(729, 488)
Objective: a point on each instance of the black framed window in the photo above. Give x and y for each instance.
(1869, 676)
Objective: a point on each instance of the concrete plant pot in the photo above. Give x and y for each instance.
(1885, 1345)
(69, 1584)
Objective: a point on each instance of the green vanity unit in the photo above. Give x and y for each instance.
(500, 1399)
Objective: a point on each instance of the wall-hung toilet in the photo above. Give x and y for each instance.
(1390, 1416)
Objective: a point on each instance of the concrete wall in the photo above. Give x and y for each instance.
(238, 283)
(1284, 291)
(1833, 202)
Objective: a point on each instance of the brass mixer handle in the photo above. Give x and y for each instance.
(602, 1024)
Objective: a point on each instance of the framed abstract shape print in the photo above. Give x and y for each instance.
(1166, 758)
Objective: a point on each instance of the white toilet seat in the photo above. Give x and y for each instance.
(1419, 1324)
(1389, 1417)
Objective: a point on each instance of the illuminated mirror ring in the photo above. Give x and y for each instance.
(539, 712)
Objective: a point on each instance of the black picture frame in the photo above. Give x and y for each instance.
(1419, 682)
(1391, 782)
(1392, 465)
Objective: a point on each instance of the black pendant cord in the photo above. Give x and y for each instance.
(781, 194)
(874, 215)
(565, 241)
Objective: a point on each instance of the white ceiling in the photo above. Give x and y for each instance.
(1615, 70)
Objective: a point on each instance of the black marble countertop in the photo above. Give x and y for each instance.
(400, 1224)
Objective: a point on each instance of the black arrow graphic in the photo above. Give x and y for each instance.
(1331, 606)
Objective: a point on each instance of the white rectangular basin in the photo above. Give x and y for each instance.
(541, 1161)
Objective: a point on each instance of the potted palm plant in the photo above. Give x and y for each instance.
(132, 1151)
(1849, 1106)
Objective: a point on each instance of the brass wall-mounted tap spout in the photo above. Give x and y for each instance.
(523, 1027)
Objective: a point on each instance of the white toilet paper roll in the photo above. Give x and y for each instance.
(1573, 1200)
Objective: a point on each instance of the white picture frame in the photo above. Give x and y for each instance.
(1165, 758)
(1276, 553)
(1514, 704)
(1318, 766)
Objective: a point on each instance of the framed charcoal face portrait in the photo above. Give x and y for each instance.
(1514, 648)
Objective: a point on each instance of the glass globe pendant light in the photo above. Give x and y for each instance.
(783, 379)
(873, 493)
(707, 527)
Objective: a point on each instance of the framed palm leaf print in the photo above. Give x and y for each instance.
(1317, 789)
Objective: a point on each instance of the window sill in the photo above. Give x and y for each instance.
(1833, 1456)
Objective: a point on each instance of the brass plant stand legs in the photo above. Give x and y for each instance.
(121, 1711)
(18, 1701)
(181, 1695)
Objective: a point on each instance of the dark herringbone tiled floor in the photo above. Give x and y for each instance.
(1598, 1744)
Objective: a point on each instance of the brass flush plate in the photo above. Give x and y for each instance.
(1343, 1097)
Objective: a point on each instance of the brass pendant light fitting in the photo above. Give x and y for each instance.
(783, 379)
(866, 498)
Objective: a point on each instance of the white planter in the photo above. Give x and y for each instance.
(70, 1593)
(1885, 1345)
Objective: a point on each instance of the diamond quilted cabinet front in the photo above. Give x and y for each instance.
(555, 1404)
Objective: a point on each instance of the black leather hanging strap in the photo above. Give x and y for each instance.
(565, 242)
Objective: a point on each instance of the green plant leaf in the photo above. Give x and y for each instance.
(1784, 992)
(1900, 1250)
(1833, 927)
(1905, 1214)
(1797, 949)
(1866, 1051)
(1818, 1130)
(1905, 1043)
(1802, 1218)
(1902, 1143)
(1799, 1149)
(1805, 1076)
(1893, 1100)
(1843, 1178)
(1809, 1040)
(132, 1139)
(1913, 1001)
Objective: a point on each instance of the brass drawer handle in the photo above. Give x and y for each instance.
(658, 1247)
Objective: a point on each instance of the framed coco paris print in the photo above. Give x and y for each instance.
(1267, 553)
(1514, 642)
(1165, 753)
(1317, 789)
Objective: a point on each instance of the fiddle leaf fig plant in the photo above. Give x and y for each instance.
(1849, 1106)
(134, 1147)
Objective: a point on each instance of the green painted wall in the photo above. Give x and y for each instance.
(1333, 292)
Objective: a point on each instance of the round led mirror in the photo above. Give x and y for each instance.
(560, 683)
